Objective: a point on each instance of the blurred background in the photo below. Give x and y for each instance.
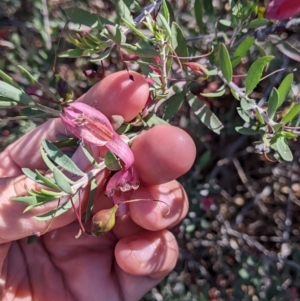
(240, 239)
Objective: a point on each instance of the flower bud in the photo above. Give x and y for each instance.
(103, 221)
(63, 88)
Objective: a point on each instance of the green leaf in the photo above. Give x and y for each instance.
(283, 149)
(243, 114)
(91, 200)
(141, 49)
(241, 51)
(291, 114)
(255, 72)
(220, 92)
(37, 177)
(286, 48)
(33, 200)
(199, 15)
(31, 112)
(134, 29)
(59, 158)
(11, 93)
(178, 42)
(273, 103)
(248, 104)
(46, 160)
(62, 181)
(246, 131)
(208, 7)
(115, 34)
(9, 80)
(165, 11)
(71, 53)
(88, 154)
(165, 25)
(112, 162)
(258, 23)
(225, 63)
(51, 193)
(171, 12)
(206, 116)
(102, 56)
(84, 17)
(285, 88)
(32, 80)
(226, 23)
(57, 212)
(259, 117)
(153, 120)
(46, 180)
(122, 10)
(173, 105)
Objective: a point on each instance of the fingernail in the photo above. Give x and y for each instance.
(143, 249)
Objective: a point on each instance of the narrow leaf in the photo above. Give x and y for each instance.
(57, 212)
(285, 47)
(84, 17)
(259, 117)
(284, 88)
(255, 72)
(199, 15)
(291, 114)
(102, 56)
(62, 181)
(165, 25)
(220, 92)
(243, 114)
(241, 51)
(225, 64)
(248, 104)
(273, 103)
(246, 131)
(206, 116)
(112, 162)
(173, 105)
(258, 23)
(72, 53)
(46, 181)
(62, 160)
(283, 149)
(14, 94)
(122, 10)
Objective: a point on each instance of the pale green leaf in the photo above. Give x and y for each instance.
(284, 88)
(241, 51)
(291, 114)
(273, 103)
(59, 158)
(225, 63)
(11, 93)
(206, 116)
(62, 181)
(255, 72)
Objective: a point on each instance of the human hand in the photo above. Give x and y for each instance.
(126, 262)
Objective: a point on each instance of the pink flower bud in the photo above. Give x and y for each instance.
(92, 127)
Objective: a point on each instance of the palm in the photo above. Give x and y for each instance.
(59, 267)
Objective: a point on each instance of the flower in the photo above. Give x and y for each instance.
(92, 127)
(282, 9)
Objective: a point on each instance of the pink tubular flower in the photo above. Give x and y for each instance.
(123, 180)
(94, 128)
(282, 9)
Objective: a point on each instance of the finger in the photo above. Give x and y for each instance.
(16, 224)
(147, 253)
(163, 154)
(163, 207)
(116, 94)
